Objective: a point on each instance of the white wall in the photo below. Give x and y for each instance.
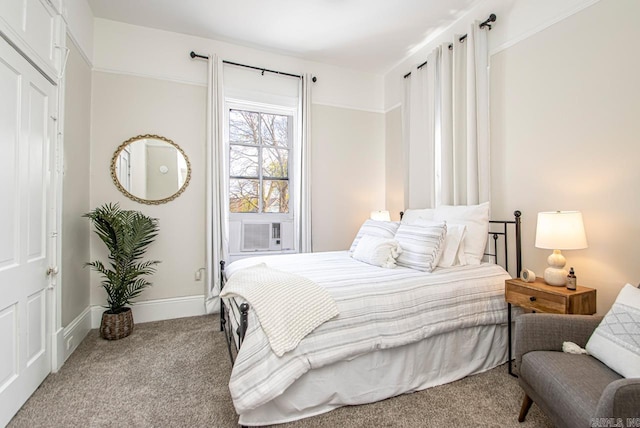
(75, 286)
(563, 126)
(347, 167)
(145, 82)
(79, 22)
(123, 107)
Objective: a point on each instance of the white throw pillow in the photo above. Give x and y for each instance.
(421, 246)
(616, 341)
(377, 251)
(411, 215)
(382, 229)
(451, 255)
(476, 218)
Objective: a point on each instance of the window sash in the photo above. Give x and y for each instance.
(261, 146)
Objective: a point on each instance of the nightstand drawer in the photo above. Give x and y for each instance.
(540, 297)
(536, 300)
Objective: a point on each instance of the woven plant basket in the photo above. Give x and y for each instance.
(116, 326)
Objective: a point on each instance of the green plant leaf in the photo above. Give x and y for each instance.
(127, 234)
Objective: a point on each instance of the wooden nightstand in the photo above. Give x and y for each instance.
(540, 297)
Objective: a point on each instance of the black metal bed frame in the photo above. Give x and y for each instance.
(243, 308)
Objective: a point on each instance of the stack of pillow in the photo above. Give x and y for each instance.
(425, 238)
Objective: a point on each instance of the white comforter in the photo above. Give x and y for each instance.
(378, 308)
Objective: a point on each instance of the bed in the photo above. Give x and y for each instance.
(397, 331)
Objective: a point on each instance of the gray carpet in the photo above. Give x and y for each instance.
(175, 373)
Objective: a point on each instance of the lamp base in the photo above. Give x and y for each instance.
(555, 274)
(556, 277)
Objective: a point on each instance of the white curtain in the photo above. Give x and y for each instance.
(420, 137)
(303, 224)
(452, 91)
(216, 228)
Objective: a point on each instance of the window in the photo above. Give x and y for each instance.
(259, 153)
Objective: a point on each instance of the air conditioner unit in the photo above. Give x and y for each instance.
(261, 236)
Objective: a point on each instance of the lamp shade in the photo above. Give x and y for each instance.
(560, 230)
(380, 215)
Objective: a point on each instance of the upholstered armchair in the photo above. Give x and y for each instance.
(572, 390)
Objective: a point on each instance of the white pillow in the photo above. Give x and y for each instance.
(421, 246)
(451, 255)
(411, 215)
(476, 218)
(616, 341)
(382, 229)
(377, 251)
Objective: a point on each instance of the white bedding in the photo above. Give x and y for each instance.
(379, 309)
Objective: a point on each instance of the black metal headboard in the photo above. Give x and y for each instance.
(495, 234)
(499, 230)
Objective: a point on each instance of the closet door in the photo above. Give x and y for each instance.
(35, 28)
(26, 132)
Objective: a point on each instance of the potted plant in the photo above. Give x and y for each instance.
(127, 234)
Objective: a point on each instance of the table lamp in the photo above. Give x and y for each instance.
(380, 215)
(559, 230)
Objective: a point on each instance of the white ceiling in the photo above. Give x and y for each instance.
(368, 35)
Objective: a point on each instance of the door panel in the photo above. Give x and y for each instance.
(9, 350)
(36, 327)
(26, 132)
(37, 172)
(9, 134)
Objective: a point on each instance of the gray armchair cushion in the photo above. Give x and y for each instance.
(569, 385)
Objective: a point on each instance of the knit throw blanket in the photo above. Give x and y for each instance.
(288, 306)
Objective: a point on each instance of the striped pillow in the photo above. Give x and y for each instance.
(421, 246)
(381, 229)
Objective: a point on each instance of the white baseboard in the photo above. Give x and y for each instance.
(157, 310)
(58, 360)
(70, 337)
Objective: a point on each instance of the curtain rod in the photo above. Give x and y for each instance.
(195, 55)
(485, 23)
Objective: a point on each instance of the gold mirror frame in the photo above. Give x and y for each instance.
(114, 175)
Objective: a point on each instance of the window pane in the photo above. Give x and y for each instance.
(275, 130)
(275, 162)
(243, 161)
(275, 196)
(243, 196)
(244, 127)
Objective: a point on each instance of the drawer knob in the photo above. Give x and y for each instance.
(532, 298)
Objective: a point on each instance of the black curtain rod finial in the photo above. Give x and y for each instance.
(491, 18)
(195, 55)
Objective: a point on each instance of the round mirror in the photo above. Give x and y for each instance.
(150, 169)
